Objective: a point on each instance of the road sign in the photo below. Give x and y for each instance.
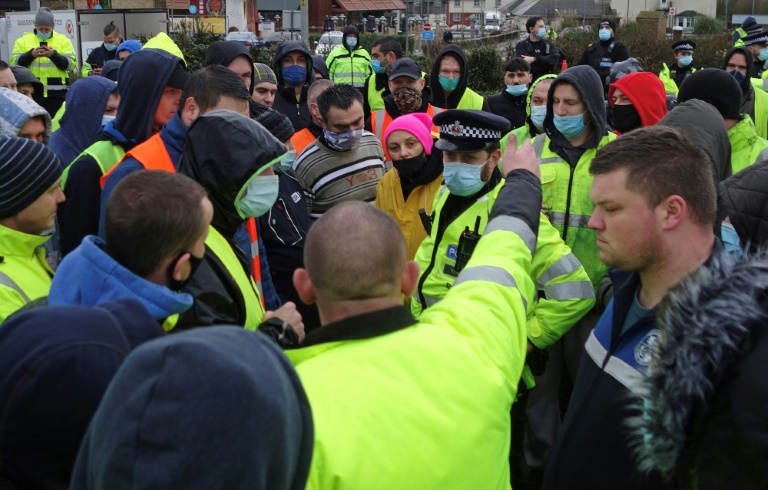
(427, 35)
(672, 11)
(427, 27)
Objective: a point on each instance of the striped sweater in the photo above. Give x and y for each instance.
(329, 177)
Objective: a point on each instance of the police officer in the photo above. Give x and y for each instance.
(469, 141)
(49, 56)
(536, 49)
(601, 55)
(673, 76)
(757, 44)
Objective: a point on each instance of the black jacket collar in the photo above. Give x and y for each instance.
(365, 326)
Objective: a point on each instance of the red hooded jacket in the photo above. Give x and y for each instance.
(646, 92)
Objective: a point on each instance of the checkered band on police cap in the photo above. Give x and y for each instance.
(684, 46)
(465, 130)
(757, 38)
(27, 170)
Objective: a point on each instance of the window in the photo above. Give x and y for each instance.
(457, 17)
(498, 3)
(477, 3)
(457, 3)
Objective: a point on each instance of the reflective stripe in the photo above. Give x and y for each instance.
(570, 290)
(56, 87)
(430, 300)
(379, 122)
(45, 64)
(574, 220)
(515, 225)
(618, 369)
(437, 110)
(349, 74)
(538, 144)
(8, 282)
(489, 273)
(564, 266)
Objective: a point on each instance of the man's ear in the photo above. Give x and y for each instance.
(673, 211)
(191, 110)
(303, 285)
(422, 82)
(409, 278)
(495, 158)
(178, 272)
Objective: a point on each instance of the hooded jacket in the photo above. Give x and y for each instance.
(349, 65)
(81, 127)
(754, 102)
(746, 145)
(318, 65)
(216, 408)
(224, 52)
(453, 101)
(528, 130)
(744, 198)
(702, 410)
(646, 92)
(56, 364)
(139, 96)
(285, 97)
(16, 109)
(702, 123)
(223, 152)
(23, 75)
(89, 276)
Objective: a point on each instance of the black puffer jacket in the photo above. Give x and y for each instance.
(223, 151)
(744, 198)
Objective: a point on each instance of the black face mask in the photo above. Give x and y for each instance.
(194, 263)
(626, 118)
(408, 168)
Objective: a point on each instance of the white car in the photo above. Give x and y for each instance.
(328, 42)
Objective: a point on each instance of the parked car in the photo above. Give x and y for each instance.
(277, 37)
(328, 42)
(246, 37)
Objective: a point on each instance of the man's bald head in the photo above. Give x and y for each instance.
(354, 252)
(317, 88)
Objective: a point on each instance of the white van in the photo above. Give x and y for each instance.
(328, 42)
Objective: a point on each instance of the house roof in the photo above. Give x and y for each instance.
(370, 5)
(527, 8)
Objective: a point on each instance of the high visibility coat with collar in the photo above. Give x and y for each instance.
(746, 145)
(430, 399)
(568, 293)
(565, 193)
(24, 274)
(349, 67)
(670, 85)
(43, 68)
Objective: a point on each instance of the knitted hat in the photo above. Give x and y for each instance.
(275, 122)
(16, 109)
(44, 17)
(179, 76)
(27, 170)
(716, 87)
(609, 23)
(130, 45)
(618, 70)
(263, 73)
(418, 124)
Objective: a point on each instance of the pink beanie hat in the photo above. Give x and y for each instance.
(418, 124)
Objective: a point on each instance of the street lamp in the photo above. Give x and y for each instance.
(383, 21)
(335, 20)
(343, 19)
(277, 21)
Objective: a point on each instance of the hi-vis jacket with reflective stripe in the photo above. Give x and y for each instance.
(447, 381)
(345, 67)
(44, 68)
(24, 274)
(568, 293)
(566, 197)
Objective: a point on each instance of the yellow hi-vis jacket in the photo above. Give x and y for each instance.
(49, 74)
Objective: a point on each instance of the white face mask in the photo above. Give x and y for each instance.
(260, 196)
(107, 119)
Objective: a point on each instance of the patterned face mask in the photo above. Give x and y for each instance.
(407, 99)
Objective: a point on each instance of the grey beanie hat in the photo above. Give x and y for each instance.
(618, 70)
(44, 17)
(263, 73)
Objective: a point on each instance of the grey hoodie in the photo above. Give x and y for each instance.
(587, 83)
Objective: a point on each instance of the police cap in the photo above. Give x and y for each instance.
(684, 45)
(465, 131)
(759, 38)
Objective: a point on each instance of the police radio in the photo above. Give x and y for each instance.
(467, 243)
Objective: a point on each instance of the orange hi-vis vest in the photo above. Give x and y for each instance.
(152, 155)
(302, 139)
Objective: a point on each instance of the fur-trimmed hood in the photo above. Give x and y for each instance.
(700, 399)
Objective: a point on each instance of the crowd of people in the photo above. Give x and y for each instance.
(559, 286)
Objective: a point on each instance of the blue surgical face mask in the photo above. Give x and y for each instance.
(294, 74)
(570, 126)
(537, 115)
(604, 34)
(345, 141)
(448, 84)
(352, 42)
(517, 90)
(110, 47)
(377, 68)
(541, 33)
(286, 162)
(259, 197)
(763, 55)
(685, 60)
(44, 36)
(463, 179)
(738, 76)
(106, 120)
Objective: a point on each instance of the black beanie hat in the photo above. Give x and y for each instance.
(716, 87)
(609, 23)
(273, 121)
(27, 170)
